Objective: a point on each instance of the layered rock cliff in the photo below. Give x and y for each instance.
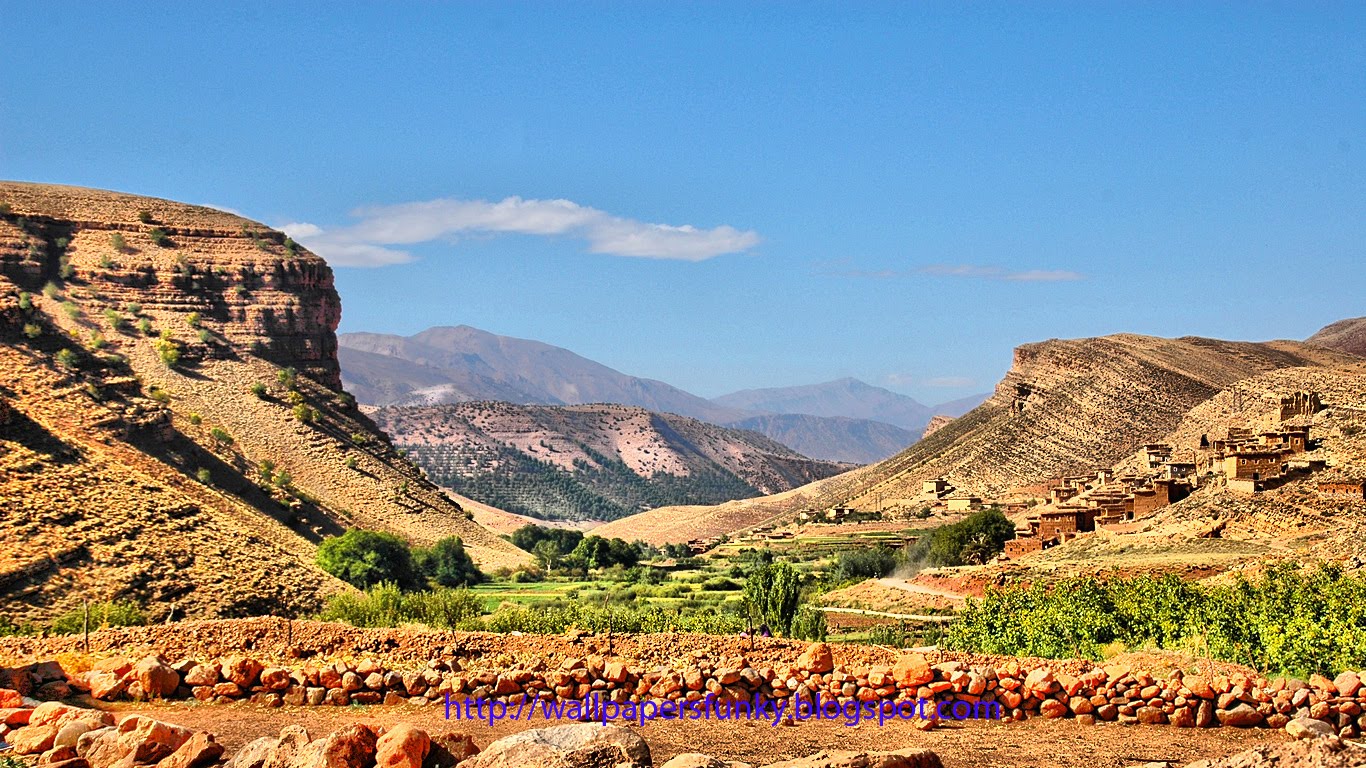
(176, 430)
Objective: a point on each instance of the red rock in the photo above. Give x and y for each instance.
(1241, 716)
(1080, 705)
(1040, 682)
(11, 699)
(241, 671)
(1322, 683)
(230, 690)
(199, 751)
(911, 670)
(1347, 683)
(816, 658)
(33, 739)
(58, 754)
(202, 675)
(1200, 687)
(1183, 717)
(402, 747)
(116, 665)
(15, 717)
(1151, 716)
(105, 686)
(1052, 708)
(158, 680)
(348, 747)
(275, 678)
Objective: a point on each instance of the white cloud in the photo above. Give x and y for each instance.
(363, 244)
(1000, 273)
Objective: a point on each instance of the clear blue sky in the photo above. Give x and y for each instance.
(898, 192)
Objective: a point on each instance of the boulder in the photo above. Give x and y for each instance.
(242, 671)
(912, 670)
(450, 748)
(1241, 716)
(1347, 683)
(1040, 682)
(58, 754)
(105, 686)
(15, 717)
(275, 678)
(347, 747)
(816, 659)
(33, 739)
(1305, 728)
(583, 744)
(904, 758)
(158, 680)
(403, 746)
(292, 740)
(254, 754)
(201, 674)
(199, 751)
(1052, 708)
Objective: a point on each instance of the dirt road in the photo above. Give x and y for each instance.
(1032, 744)
(907, 586)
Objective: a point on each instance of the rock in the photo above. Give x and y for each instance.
(1347, 683)
(699, 760)
(1183, 717)
(292, 740)
(241, 671)
(254, 754)
(912, 670)
(33, 739)
(1151, 716)
(58, 754)
(1305, 728)
(1040, 682)
(584, 744)
(15, 717)
(199, 751)
(1052, 708)
(904, 758)
(58, 714)
(201, 674)
(275, 679)
(69, 733)
(1241, 716)
(105, 686)
(403, 746)
(75, 762)
(347, 747)
(158, 680)
(447, 749)
(53, 691)
(816, 659)
(1204, 714)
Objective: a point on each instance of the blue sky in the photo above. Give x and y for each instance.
(897, 192)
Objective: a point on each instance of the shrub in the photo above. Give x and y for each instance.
(971, 541)
(240, 291)
(288, 377)
(220, 436)
(204, 475)
(193, 319)
(291, 247)
(386, 605)
(97, 340)
(116, 240)
(145, 326)
(350, 462)
(106, 262)
(367, 558)
(259, 390)
(66, 358)
(64, 268)
(304, 414)
(102, 616)
(159, 395)
(359, 438)
(25, 301)
(71, 310)
(51, 290)
(160, 238)
(145, 217)
(204, 336)
(114, 319)
(720, 584)
(196, 419)
(809, 624)
(33, 330)
(448, 564)
(859, 564)
(167, 349)
(134, 308)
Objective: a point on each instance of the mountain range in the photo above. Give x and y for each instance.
(844, 420)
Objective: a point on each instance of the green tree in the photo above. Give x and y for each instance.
(448, 564)
(773, 595)
(366, 558)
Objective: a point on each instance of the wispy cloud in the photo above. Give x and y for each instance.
(367, 243)
(1001, 273)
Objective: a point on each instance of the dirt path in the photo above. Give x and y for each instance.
(907, 586)
(908, 616)
(1032, 744)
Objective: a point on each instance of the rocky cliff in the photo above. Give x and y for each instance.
(175, 430)
(1065, 406)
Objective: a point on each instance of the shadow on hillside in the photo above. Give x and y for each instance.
(35, 437)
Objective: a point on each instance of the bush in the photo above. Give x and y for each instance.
(71, 310)
(33, 330)
(350, 462)
(720, 584)
(25, 301)
(259, 390)
(447, 564)
(106, 262)
(809, 624)
(159, 395)
(304, 414)
(288, 377)
(367, 558)
(51, 290)
(114, 319)
(66, 358)
(145, 326)
(145, 217)
(860, 564)
(134, 308)
(160, 238)
(220, 436)
(971, 541)
(97, 340)
(193, 319)
(386, 605)
(117, 241)
(204, 336)
(204, 476)
(167, 349)
(102, 616)
(196, 419)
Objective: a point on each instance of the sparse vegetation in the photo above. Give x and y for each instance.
(102, 616)
(193, 319)
(64, 268)
(350, 462)
(159, 395)
(205, 336)
(220, 436)
(114, 319)
(25, 301)
(106, 262)
(288, 378)
(168, 349)
(33, 330)
(305, 414)
(51, 290)
(116, 240)
(70, 309)
(159, 237)
(146, 217)
(66, 358)
(259, 390)
(133, 308)
(196, 419)
(145, 326)
(97, 341)
(204, 476)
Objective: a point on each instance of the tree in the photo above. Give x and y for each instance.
(366, 558)
(448, 564)
(971, 541)
(773, 594)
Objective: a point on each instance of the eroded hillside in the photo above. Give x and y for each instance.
(1065, 406)
(591, 461)
(174, 428)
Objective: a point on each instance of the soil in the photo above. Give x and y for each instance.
(1034, 743)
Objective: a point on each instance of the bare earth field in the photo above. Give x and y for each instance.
(1036, 743)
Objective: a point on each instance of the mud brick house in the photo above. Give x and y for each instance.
(963, 502)
(1156, 453)
(1161, 493)
(1254, 464)
(1066, 521)
(1343, 488)
(936, 487)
